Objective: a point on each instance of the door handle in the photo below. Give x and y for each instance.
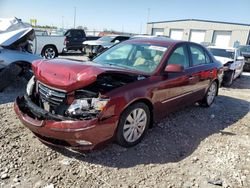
(193, 79)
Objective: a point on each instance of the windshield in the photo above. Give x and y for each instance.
(222, 52)
(140, 57)
(107, 38)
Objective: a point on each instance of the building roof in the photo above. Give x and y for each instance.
(162, 41)
(181, 20)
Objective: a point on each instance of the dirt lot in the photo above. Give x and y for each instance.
(194, 147)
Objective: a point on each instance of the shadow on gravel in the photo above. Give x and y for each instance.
(174, 138)
(243, 82)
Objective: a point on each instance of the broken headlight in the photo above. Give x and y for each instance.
(81, 107)
(30, 86)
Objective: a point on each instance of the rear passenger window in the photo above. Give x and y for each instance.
(198, 56)
(179, 56)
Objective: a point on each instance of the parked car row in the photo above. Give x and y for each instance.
(51, 46)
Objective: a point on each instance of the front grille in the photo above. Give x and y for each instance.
(53, 96)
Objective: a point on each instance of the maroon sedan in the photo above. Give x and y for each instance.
(117, 96)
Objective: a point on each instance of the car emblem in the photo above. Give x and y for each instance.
(48, 94)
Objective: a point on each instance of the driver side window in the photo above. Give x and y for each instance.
(179, 56)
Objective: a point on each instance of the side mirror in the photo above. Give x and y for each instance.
(116, 41)
(240, 58)
(174, 68)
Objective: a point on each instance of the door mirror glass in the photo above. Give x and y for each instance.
(174, 68)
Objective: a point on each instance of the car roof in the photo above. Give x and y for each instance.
(220, 47)
(162, 41)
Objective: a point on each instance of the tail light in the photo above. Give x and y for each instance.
(65, 41)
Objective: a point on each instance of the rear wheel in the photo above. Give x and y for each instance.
(8, 75)
(210, 95)
(133, 125)
(49, 52)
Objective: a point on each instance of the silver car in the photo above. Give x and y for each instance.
(15, 50)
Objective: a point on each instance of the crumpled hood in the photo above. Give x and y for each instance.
(223, 60)
(12, 30)
(70, 75)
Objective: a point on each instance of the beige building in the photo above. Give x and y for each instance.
(203, 31)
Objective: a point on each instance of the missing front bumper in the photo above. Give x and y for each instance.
(76, 134)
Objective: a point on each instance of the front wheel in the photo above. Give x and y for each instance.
(210, 95)
(133, 125)
(228, 78)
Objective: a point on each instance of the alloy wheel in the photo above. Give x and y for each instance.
(135, 125)
(211, 93)
(49, 53)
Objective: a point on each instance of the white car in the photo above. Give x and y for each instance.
(94, 47)
(231, 59)
(15, 51)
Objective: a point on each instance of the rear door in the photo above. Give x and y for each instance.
(201, 70)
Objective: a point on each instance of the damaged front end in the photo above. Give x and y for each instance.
(43, 102)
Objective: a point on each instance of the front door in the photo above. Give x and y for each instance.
(174, 89)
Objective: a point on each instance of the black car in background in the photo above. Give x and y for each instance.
(74, 39)
(245, 52)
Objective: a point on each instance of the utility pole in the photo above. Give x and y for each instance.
(141, 28)
(148, 18)
(75, 18)
(62, 22)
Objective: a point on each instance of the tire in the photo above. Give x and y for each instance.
(209, 98)
(129, 134)
(228, 79)
(8, 75)
(49, 52)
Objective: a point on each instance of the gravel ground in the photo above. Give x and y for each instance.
(194, 147)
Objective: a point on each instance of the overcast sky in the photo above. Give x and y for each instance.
(126, 15)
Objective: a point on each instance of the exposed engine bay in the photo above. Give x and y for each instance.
(44, 102)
